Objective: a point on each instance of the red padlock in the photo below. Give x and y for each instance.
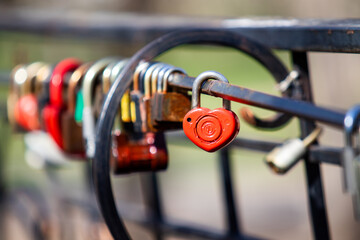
(210, 130)
(26, 112)
(52, 112)
(26, 107)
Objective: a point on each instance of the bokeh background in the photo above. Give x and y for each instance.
(269, 206)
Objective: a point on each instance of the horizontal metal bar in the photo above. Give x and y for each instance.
(133, 212)
(254, 145)
(191, 231)
(322, 154)
(4, 78)
(291, 34)
(318, 154)
(180, 229)
(281, 104)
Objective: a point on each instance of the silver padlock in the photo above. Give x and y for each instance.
(351, 158)
(283, 157)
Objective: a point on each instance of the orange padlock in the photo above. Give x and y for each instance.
(210, 130)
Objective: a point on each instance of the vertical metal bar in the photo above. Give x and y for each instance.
(313, 175)
(227, 187)
(151, 193)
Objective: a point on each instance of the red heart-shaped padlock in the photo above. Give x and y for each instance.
(211, 129)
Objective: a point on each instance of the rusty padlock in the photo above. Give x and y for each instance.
(168, 107)
(145, 78)
(210, 129)
(71, 130)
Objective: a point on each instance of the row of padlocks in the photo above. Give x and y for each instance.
(68, 99)
(65, 101)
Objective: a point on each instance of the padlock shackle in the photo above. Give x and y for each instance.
(110, 73)
(74, 82)
(117, 69)
(88, 120)
(14, 87)
(204, 76)
(137, 72)
(32, 72)
(24, 77)
(42, 77)
(125, 105)
(89, 79)
(106, 77)
(160, 79)
(277, 120)
(21, 85)
(57, 80)
(168, 74)
(351, 123)
(147, 78)
(155, 76)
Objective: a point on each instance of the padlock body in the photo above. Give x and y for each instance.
(282, 158)
(146, 154)
(168, 110)
(72, 135)
(26, 112)
(51, 116)
(211, 129)
(12, 102)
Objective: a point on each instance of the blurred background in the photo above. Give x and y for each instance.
(269, 206)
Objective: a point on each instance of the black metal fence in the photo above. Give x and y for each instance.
(297, 36)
